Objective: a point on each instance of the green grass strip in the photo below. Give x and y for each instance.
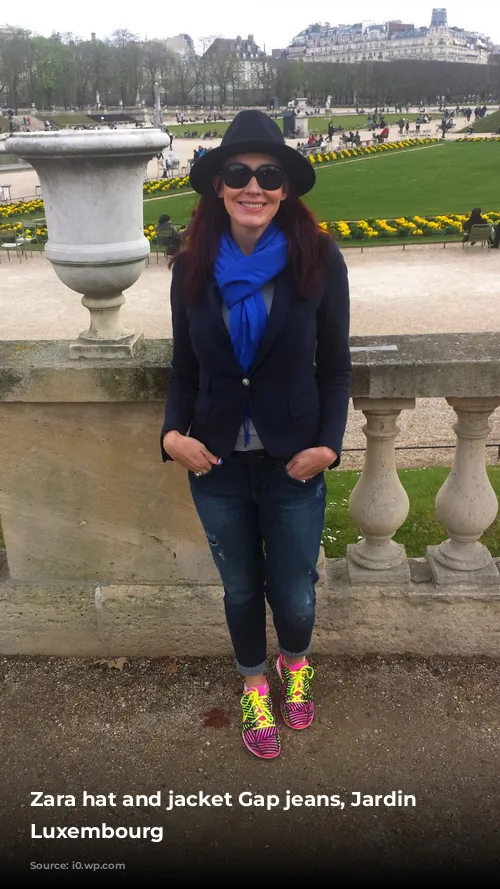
(421, 528)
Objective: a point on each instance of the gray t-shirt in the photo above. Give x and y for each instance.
(255, 443)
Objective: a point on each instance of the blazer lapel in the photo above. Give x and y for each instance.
(215, 305)
(282, 298)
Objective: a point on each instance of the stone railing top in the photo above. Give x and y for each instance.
(424, 366)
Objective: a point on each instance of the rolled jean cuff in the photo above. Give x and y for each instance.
(252, 671)
(286, 653)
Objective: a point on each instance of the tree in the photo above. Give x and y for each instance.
(266, 77)
(223, 68)
(184, 73)
(288, 79)
(66, 85)
(104, 74)
(156, 60)
(63, 69)
(129, 61)
(13, 55)
(47, 68)
(82, 54)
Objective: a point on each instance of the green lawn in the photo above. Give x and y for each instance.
(178, 206)
(439, 179)
(67, 119)
(446, 178)
(316, 124)
(487, 124)
(421, 528)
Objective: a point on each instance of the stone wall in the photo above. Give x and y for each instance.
(104, 550)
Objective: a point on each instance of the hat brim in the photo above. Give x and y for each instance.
(298, 169)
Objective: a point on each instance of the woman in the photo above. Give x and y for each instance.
(258, 400)
(475, 218)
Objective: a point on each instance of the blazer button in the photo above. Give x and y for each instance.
(245, 381)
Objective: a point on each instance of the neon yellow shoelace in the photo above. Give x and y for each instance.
(256, 709)
(298, 685)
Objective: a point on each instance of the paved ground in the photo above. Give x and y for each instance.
(415, 290)
(428, 729)
(420, 289)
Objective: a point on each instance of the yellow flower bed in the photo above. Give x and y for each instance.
(21, 208)
(150, 231)
(38, 231)
(164, 186)
(402, 227)
(349, 153)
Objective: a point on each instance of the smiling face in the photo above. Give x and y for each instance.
(251, 208)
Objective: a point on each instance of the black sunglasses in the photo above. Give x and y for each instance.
(269, 176)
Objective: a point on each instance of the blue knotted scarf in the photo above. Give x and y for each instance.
(240, 280)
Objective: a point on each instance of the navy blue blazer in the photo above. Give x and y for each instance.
(297, 387)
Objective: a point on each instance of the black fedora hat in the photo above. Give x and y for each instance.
(253, 131)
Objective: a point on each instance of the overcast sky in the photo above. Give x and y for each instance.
(272, 22)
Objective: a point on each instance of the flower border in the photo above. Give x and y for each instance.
(328, 157)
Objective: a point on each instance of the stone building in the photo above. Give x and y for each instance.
(244, 49)
(182, 45)
(388, 41)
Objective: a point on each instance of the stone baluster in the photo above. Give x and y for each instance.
(379, 504)
(466, 504)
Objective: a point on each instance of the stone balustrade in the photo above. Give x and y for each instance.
(104, 551)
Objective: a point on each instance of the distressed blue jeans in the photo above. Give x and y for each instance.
(264, 529)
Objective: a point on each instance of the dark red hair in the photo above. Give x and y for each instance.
(308, 246)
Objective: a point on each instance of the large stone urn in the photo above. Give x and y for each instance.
(92, 183)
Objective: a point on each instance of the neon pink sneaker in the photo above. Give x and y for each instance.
(297, 706)
(260, 733)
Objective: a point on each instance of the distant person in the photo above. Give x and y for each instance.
(170, 160)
